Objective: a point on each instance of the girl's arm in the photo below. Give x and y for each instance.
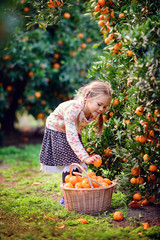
(72, 134)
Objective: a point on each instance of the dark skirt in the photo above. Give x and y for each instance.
(56, 151)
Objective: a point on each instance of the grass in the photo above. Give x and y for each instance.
(28, 197)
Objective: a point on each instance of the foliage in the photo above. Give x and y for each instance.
(130, 63)
(40, 69)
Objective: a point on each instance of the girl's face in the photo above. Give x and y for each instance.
(96, 106)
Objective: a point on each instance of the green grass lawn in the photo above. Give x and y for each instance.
(28, 197)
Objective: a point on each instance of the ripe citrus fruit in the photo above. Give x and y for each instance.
(118, 216)
(137, 196)
(67, 178)
(85, 183)
(153, 168)
(78, 185)
(98, 162)
(68, 185)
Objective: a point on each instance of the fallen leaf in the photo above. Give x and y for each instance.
(36, 183)
(50, 218)
(61, 227)
(82, 220)
(145, 225)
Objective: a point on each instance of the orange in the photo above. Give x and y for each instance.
(100, 179)
(9, 88)
(135, 171)
(111, 114)
(101, 2)
(56, 55)
(105, 184)
(121, 15)
(97, 8)
(142, 139)
(68, 185)
(78, 185)
(146, 157)
(51, 4)
(40, 115)
(112, 13)
(140, 180)
(85, 183)
(134, 204)
(145, 225)
(89, 40)
(60, 42)
(105, 11)
(83, 45)
(74, 180)
(91, 174)
(151, 199)
(97, 163)
(107, 152)
(108, 181)
(151, 133)
(145, 202)
(80, 35)
(26, 9)
(43, 102)
(137, 138)
(37, 94)
(129, 53)
(137, 196)
(125, 160)
(101, 23)
(145, 125)
(66, 15)
(72, 54)
(153, 168)
(31, 74)
(67, 178)
(133, 180)
(156, 112)
(82, 220)
(95, 185)
(116, 102)
(116, 47)
(118, 216)
(151, 177)
(56, 66)
(139, 110)
(89, 149)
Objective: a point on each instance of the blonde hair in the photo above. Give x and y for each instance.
(92, 90)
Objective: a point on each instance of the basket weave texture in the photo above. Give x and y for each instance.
(91, 201)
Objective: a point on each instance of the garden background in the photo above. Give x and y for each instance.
(48, 50)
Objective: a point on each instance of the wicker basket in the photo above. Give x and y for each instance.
(91, 201)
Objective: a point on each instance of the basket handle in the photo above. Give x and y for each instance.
(86, 175)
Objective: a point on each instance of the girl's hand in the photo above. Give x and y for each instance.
(92, 159)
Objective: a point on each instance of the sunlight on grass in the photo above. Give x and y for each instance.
(28, 196)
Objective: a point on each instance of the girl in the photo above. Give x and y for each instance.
(62, 144)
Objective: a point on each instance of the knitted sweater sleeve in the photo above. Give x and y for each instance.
(72, 133)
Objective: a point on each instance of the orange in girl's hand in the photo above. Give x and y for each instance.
(98, 162)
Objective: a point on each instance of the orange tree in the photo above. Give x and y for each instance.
(39, 69)
(129, 145)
